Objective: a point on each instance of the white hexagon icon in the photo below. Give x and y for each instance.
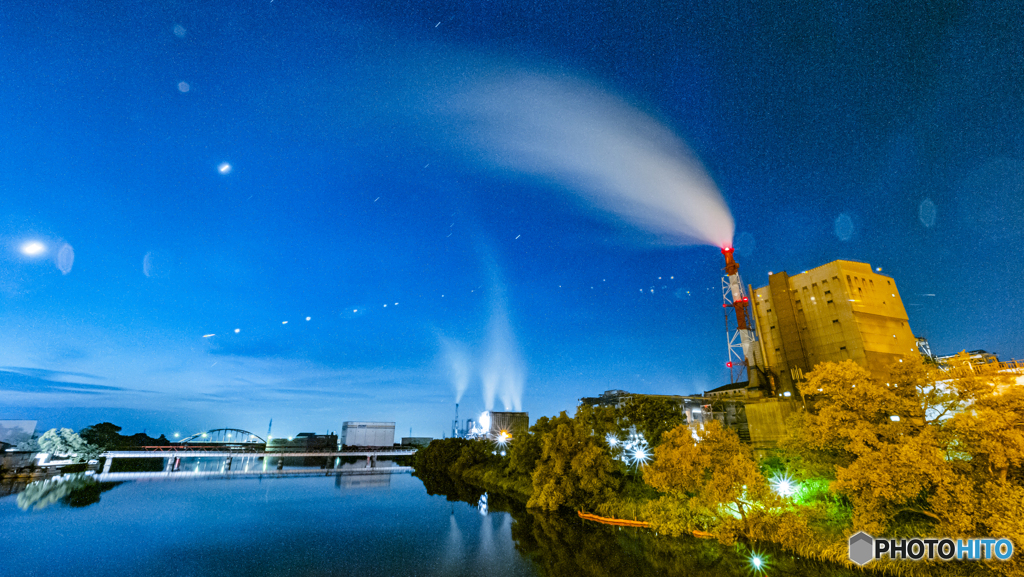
(862, 548)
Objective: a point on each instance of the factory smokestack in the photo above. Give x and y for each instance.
(743, 348)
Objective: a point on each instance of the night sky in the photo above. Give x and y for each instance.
(441, 195)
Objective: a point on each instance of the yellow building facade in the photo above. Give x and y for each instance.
(838, 311)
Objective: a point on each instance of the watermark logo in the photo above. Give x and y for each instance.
(864, 548)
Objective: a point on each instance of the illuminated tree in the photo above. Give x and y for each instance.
(575, 468)
(920, 446)
(716, 476)
(67, 443)
(651, 416)
(991, 432)
(526, 449)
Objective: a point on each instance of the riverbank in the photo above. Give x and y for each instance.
(814, 530)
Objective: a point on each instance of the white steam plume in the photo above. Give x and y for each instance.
(460, 366)
(502, 374)
(593, 144)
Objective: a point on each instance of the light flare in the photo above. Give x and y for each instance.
(33, 248)
(784, 486)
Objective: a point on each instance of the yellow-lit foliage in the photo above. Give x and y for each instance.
(575, 468)
(926, 448)
(717, 477)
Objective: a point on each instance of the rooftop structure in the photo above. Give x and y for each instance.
(689, 406)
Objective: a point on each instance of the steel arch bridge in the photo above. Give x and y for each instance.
(224, 437)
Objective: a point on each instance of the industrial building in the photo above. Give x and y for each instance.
(690, 407)
(839, 311)
(303, 443)
(368, 434)
(778, 333)
(510, 423)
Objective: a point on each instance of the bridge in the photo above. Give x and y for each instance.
(174, 454)
(222, 437)
(187, 475)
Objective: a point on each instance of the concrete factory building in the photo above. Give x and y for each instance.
(838, 311)
(512, 423)
(367, 434)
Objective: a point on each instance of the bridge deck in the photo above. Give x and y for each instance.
(186, 475)
(225, 454)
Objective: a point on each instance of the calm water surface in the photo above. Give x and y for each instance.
(349, 525)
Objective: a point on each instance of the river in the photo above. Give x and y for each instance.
(336, 525)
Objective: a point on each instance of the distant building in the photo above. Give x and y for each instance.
(304, 443)
(732, 390)
(416, 441)
(838, 311)
(691, 407)
(924, 348)
(978, 358)
(614, 398)
(368, 434)
(14, 432)
(511, 423)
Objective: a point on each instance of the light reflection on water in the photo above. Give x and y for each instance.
(371, 525)
(349, 525)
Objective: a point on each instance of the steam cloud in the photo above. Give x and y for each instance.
(594, 145)
(460, 367)
(499, 367)
(502, 373)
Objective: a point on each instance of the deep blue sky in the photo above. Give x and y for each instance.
(890, 133)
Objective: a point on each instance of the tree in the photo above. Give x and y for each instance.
(991, 432)
(526, 450)
(917, 447)
(433, 463)
(575, 468)
(67, 443)
(105, 435)
(716, 476)
(652, 416)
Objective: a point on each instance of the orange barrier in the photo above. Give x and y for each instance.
(611, 521)
(628, 523)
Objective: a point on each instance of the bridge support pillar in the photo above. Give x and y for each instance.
(227, 464)
(280, 463)
(170, 465)
(177, 464)
(107, 463)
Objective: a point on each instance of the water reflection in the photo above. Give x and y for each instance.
(453, 553)
(353, 524)
(76, 490)
(563, 545)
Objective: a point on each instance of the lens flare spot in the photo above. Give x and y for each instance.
(65, 258)
(33, 248)
(927, 212)
(844, 227)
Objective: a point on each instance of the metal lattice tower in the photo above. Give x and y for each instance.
(741, 341)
